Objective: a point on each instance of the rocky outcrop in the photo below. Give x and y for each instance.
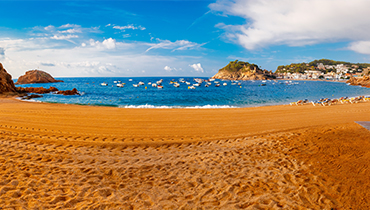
(6, 82)
(238, 70)
(42, 90)
(362, 81)
(68, 92)
(36, 76)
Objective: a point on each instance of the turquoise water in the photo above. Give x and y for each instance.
(247, 94)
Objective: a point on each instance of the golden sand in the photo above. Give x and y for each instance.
(278, 157)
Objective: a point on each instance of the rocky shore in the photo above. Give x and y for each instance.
(362, 81)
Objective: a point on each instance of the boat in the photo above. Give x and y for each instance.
(160, 82)
(104, 84)
(149, 83)
(188, 83)
(191, 87)
(176, 85)
(130, 80)
(159, 86)
(120, 85)
(217, 85)
(154, 85)
(224, 84)
(196, 85)
(141, 83)
(135, 85)
(263, 84)
(211, 79)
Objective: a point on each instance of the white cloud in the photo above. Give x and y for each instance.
(109, 43)
(197, 67)
(131, 26)
(295, 23)
(167, 68)
(177, 45)
(106, 44)
(69, 26)
(362, 47)
(63, 37)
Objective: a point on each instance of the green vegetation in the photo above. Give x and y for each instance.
(236, 65)
(302, 67)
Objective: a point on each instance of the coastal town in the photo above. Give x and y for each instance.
(338, 72)
(323, 69)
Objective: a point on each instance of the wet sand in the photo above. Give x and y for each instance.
(279, 157)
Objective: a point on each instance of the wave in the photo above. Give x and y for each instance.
(148, 106)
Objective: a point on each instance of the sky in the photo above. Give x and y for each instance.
(138, 38)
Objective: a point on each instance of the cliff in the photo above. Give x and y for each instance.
(36, 76)
(362, 81)
(239, 70)
(6, 82)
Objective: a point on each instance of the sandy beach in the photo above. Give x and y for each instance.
(56, 156)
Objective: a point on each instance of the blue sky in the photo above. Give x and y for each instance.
(178, 37)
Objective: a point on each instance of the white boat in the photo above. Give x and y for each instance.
(135, 85)
(149, 83)
(224, 84)
(188, 83)
(141, 83)
(154, 85)
(196, 85)
(130, 80)
(176, 85)
(216, 82)
(191, 87)
(211, 79)
(104, 84)
(159, 86)
(120, 85)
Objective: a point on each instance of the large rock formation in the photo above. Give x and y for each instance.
(362, 81)
(36, 76)
(239, 70)
(6, 82)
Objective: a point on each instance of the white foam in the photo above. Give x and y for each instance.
(148, 106)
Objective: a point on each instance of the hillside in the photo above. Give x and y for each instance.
(323, 65)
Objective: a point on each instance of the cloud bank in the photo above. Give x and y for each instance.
(72, 50)
(297, 23)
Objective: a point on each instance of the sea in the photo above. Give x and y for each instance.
(230, 94)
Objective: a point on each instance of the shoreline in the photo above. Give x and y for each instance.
(273, 157)
(203, 123)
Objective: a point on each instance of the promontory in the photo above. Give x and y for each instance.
(239, 70)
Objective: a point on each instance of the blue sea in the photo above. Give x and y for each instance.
(245, 94)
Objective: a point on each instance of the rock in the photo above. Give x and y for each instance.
(42, 90)
(36, 76)
(28, 97)
(68, 92)
(362, 81)
(39, 90)
(6, 82)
